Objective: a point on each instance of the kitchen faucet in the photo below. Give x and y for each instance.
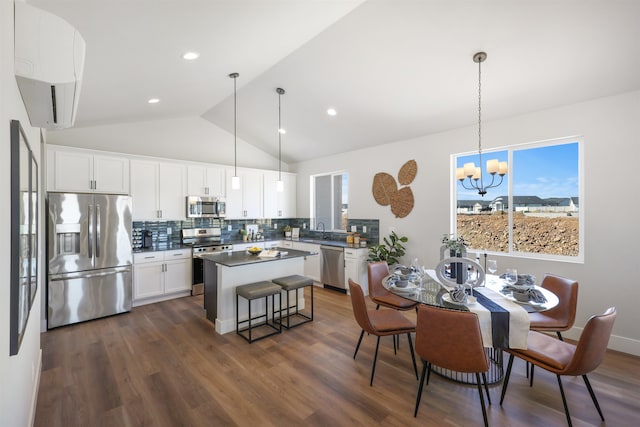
(324, 235)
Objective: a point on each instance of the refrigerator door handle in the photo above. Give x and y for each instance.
(90, 234)
(98, 228)
(84, 274)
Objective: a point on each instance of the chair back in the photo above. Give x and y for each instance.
(360, 307)
(377, 271)
(592, 344)
(567, 291)
(450, 339)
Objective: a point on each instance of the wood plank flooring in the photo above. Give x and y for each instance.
(163, 365)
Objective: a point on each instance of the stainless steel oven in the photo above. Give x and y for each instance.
(206, 207)
(202, 241)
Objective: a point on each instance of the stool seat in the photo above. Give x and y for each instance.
(295, 281)
(257, 290)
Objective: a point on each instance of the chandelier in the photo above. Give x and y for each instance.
(470, 175)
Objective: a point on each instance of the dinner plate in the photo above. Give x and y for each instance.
(511, 298)
(470, 300)
(410, 288)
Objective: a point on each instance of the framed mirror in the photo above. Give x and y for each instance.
(24, 234)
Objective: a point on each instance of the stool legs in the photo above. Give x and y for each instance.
(249, 329)
(307, 318)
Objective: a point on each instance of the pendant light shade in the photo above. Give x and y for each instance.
(279, 182)
(235, 179)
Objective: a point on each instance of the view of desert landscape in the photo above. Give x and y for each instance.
(544, 235)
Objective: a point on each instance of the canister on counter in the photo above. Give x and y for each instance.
(349, 238)
(363, 243)
(356, 240)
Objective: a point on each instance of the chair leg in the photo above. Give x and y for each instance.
(505, 382)
(564, 401)
(559, 336)
(429, 373)
(420, 384)
(375, 359)
(413, 356)
(481, 393)
(593, 396)
(358, 345)
(395, 340)
(484, 380)
(531, 375)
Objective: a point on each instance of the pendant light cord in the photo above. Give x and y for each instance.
(235, 132)
(279, 138)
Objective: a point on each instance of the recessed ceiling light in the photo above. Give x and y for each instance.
(189, 56)
(332, 112)
(153, 101)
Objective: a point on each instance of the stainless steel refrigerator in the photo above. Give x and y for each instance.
(89, 253)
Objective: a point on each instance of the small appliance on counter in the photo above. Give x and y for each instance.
(147, 239)
(136, 238)
(295, 233)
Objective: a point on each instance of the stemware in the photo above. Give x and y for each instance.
(511, 276)
(492, 266)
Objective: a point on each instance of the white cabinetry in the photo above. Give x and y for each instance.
(85, 171)
(279, 204)
(245, 202)
(158, 190)
(355, 267)
(312, 266)
(161, 275)
(205, 181)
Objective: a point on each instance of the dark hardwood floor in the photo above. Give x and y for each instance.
(163, 365)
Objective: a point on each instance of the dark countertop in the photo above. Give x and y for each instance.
(158, 247)
(238, 258)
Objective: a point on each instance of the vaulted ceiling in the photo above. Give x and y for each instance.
(392, 69)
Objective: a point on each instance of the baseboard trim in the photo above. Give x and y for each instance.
(616, 342)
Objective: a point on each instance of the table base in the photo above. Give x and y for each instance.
(494, 375)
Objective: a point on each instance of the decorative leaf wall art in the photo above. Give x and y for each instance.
(386, 192)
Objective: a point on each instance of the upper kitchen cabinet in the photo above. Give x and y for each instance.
(206, 181)
(158, 190)
(279, 204)
(245, 202)
(70, 170)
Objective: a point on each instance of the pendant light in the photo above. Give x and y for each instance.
(469, 170)
(235, 179)
(279, 182)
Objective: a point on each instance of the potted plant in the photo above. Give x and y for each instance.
(287, 231)
(391, 250)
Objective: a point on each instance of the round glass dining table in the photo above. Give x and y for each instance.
(494, 295)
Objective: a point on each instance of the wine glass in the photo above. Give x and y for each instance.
(511, 276)
(492, 266)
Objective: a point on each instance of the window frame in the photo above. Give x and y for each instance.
(332, 227)
(579, 139)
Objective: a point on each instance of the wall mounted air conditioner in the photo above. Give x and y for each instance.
(49, 60)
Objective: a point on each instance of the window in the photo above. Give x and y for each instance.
(330, 200)
(536, 210)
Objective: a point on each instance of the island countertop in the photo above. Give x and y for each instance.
(237, 258)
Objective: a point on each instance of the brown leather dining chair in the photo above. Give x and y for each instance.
(379, 323)
(379, 295)
(562, 358)
(451, 339)
(561, 317)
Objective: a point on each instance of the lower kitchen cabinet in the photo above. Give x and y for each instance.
(355, 267)
(312, 265)
(161, 275)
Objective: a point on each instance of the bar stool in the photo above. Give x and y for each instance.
(253, 291)
(291, 283)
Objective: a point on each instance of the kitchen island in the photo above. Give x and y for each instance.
(224, 271)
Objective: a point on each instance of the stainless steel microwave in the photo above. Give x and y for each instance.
(205, 207)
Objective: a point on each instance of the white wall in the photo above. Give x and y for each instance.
(611, 130)
(19, 374)
(187, 138)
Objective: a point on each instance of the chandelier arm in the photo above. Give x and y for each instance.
(473, 187)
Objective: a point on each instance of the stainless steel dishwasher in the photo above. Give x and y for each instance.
(333, 267)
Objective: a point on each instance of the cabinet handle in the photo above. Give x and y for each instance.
(149, 257)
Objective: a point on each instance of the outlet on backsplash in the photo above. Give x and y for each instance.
(364, 228)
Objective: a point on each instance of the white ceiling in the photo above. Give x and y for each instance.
(393, 69)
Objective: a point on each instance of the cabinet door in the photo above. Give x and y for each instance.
(215, 182)
(251, 183)
(111, 174)
(234, 198)
(287, 198)
(312, 262)
(279, 204)
(69, 171)
(144, 189)
(270, 196)
(196, 180)
(172, 201)
(148, 280)
(177, 275)
(351, 271)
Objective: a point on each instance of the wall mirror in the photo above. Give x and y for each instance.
(24, 234)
